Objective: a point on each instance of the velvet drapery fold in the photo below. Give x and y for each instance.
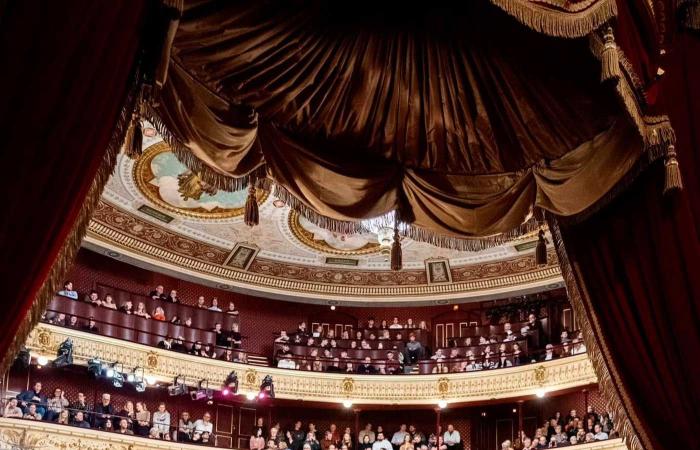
(67, 71)
(442, 116)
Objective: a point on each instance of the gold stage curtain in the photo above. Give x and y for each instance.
(458, 117)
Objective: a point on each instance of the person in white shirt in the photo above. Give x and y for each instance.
(12, 410)
(382, 443)
(68, 291)
(451, 438)
(161, 423)
(203, 428)
(599, 435)
(215, 305)
(510, 336)
(395, 323)
(398, 437)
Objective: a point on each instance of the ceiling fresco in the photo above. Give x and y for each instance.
(157, 202)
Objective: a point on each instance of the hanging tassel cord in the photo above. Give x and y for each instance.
(673, 181)
(251, 215)
(610, 59)
(396, 256)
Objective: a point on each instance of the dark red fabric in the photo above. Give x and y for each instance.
(66, 69)
(640, 262)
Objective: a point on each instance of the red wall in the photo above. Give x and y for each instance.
(260, 317)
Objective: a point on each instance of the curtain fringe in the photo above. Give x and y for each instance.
(185, 156)
(588, 17)
(69, 248)
(690, 14)
(613, 391)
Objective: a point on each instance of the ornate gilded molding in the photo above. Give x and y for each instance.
(566, 373)
(25, 434)
(196, 259)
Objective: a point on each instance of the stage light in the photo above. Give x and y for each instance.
(231, 384)
(110, 373)
(151, 380)
(540, 393)
(42, 360)
(250, 395)
(202, 391)
(64, 354)
(442, 404)
(130, 378)
(347, 403)
(332, 307)
(95, 367)
(178, 387)
(267, 388)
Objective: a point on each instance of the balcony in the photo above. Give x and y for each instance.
(515, 382)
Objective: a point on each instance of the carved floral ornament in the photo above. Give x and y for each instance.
(565, 373)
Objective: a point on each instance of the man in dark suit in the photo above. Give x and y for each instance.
(158, 293)
(366, 367)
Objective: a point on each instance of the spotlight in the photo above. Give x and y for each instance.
(267, 388)
(332, 307)
(202, 391)
(442, 404)
(178, 387)
(540, 393)
(110, 373)
(347, 403)
(64, 354)
(250, 395)
(231, 384)
(514, 410)
(151, 380)
(42, 360)
(116, 375)
(130, 378)
(95, 367)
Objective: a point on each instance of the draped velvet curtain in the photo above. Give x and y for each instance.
(635, 270)
(67, 68)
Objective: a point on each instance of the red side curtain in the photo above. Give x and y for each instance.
(637, 265)
(66, 71)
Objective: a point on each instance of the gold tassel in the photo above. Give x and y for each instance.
(133, 141)
(673, 172)
(541, 250)
(396, 256)
(251, 216)
(610, 59)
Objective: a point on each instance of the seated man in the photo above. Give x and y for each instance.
(158, 293)
(32, 397)
(283, 338)
(334, 366)
(91, 326)
(179, 345)
(79, 405)
(510, 336)
(451, 438)
(382, 443)
(391, 364)
(108, 303)
(31, 413)
(366, 367)
(124, 427)
(12, 410)
(104, 412)
(161, 423)
(599, 434)
(202, 429)
(68, 291)
(413, 352)
(93, 298)
(79, 420)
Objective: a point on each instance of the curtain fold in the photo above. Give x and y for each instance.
(68, 70)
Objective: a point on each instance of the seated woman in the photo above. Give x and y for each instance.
(159, 314)
(68, 291)
(232, 309)
(143, 420)
(141, 311)
(108, 302)
(407, 443)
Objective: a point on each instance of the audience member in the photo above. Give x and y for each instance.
(33, 397)
(104, 412)
(68, 291)
(158, 293)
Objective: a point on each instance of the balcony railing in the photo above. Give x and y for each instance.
(519, 381)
